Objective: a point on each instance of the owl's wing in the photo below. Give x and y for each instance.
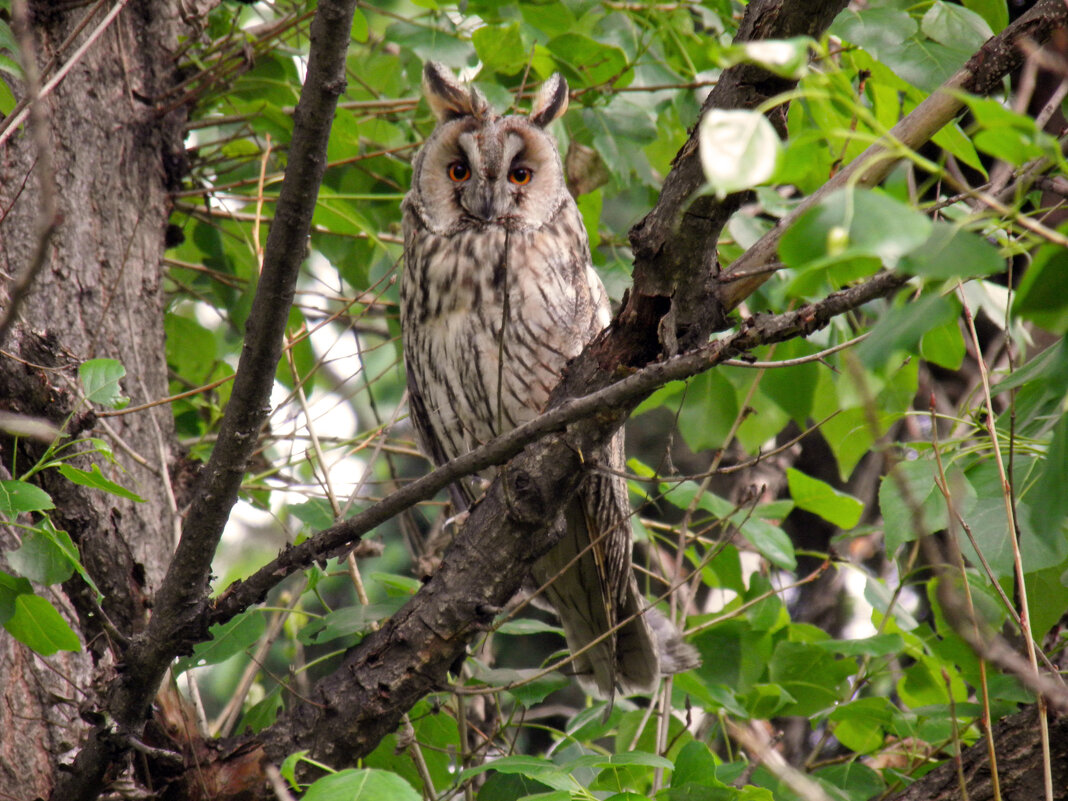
(590, 583)
(460, 492)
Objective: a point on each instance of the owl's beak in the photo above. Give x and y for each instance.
(479, 202)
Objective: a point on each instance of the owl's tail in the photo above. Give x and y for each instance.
(593, 588)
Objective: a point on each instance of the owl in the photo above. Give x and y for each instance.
(498, 294)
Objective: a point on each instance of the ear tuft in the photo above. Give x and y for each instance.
(448, 98)
(550, 102)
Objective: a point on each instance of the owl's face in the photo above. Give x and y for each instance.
(478, 169)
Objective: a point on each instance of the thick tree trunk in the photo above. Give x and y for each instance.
(98, 294)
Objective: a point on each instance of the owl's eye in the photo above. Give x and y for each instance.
(520, 175)
(459, 172)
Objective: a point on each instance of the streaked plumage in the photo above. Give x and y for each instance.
(499, 291)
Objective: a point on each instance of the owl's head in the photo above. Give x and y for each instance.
(480, 169)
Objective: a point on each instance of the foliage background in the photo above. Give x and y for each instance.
(808, 577)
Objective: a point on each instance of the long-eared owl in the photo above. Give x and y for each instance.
(498, 294)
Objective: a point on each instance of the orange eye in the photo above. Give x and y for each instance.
(459, 172)
(520, 175)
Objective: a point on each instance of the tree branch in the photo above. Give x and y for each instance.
(510, 527)
(177, 621)
(675, 244)
(617, 398)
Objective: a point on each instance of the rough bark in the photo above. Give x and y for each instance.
(1019, 760)
(98, 294)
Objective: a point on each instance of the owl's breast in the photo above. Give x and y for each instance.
(490, 317)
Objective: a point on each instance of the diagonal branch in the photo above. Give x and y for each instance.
(618, 397)
(410, 656)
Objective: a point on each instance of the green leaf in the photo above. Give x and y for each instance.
(910, 486)
(739, 149)
(925, 63)
(1043, 294)
(41, 559)
(528, 626)
(733, 654)
(952, 252)
(36, 624)
(995, 12)
(100, 381)
(95, 479)
(359, 26)
(854, 223)
(397, 586)
(10, 588)
(1004, 133)
(1048, 500)
(589, 60)
(500, 48)
(553, 18)
(513, 786)
(793, 388)
(854, 778)
(636, 758)
(349, 620)
(14, 69)
(903, 327)
(944, 345)
(812, 676)
(288, 768)
(709, 408)
(439, 736)
(227, 639)
(765, 701)
(316, 513)
(17, 497)
(877, 645)
(955, 26)
(190, 348)
(528, 691)
(988, 521)
(771, 541)
(261, 714)
(820, 498)
(367, 784)
(879, 30)
(695, 765)
(1047, 595)
(861, 724)
(538, 768)
(61, 540)
(955, 142)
